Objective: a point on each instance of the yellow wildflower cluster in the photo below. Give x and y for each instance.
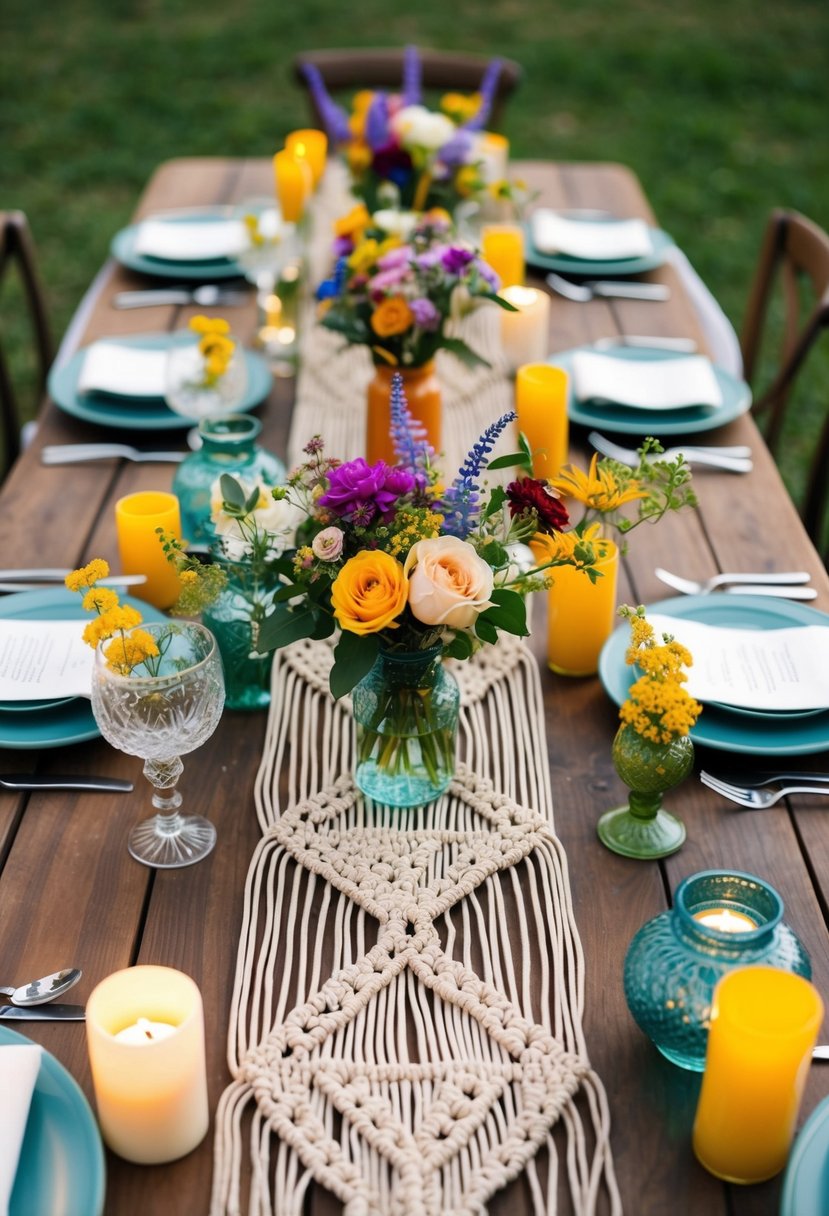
(460, 107)
(126, 651)
(600, 489)
(368, 252)
(657, 707)
(215, 345)
(129, 646)
(87, 576)
(412, 526)
(571, 548)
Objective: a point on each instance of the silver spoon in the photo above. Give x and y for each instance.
(38, 992)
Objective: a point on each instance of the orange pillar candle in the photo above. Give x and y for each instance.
(541, 405)
(309, 145)
(136, 518)
(581, 614)
(293, 185)
(525, 334)
(764, 1023)
(502, 246)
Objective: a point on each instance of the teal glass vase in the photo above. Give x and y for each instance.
(641, 828)
(234, 618)
(406, 715)
(228, 446)
(675, 960)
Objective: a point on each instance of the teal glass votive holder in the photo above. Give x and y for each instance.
(721, 919)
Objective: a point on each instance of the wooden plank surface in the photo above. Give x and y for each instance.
(70, 894)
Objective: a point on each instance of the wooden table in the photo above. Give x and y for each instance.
(70, 893)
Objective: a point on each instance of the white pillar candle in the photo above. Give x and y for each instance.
(491, 151)
(525, 334)
(145, 1033)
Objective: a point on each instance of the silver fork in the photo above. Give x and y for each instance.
(75, 453)
(757, 799)
(789, 584)
(729, 459)
(583, 292)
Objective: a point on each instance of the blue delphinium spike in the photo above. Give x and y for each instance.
(377, 122)
(331, 288)
(333, 116)
(489, 84)
(411, 77)
(461, 499)
(408, 434)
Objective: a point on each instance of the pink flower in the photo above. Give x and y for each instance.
(328, 544)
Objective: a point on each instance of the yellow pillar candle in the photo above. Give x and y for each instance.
(525, 334)
(145, 1034)
(309, 145)
(294, 183)
(136, 518)
(764, 1023)
(541, 405)
(502, 246)
(581, 614)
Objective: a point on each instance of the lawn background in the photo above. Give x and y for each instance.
(718, 105)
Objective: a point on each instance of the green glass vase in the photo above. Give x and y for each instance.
(642, 828)
(234, 618)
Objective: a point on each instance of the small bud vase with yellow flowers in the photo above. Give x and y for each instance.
(652, 750)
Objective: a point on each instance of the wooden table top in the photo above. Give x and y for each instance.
(71, 895)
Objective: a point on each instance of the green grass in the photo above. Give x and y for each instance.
(718, 107)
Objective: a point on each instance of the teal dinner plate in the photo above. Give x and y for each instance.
(616, 268)
(61, 1170)
(142, 414)
(123, 250)
(73, 721)
(736, 399)
(779, 734)
(806, 1182)
(33, 707)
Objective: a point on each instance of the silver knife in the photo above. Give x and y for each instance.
(37, 781)
(628, 291)
(43, 1013)
(821, 1052)
(55, 575)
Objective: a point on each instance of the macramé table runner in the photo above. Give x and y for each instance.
(406, 1018)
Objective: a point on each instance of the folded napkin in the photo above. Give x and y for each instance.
(659, 384)
(124, 371)
(19, 1066)
(43, 660)
(592, 240)
(190, 242)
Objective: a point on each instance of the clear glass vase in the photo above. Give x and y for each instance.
(675, 960)
(228, 446)
(406, 713)
(234, 619)
(641, 827)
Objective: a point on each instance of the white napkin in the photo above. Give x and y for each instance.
(190, 242)
(592, 240)
(19, 1066)
(661, 384)
(124, 371)
(41, 660)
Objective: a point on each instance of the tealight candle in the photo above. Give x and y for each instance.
(764, 1023)
(502, 246)
(294, 182)
(309, 145)
(137, 516)
(525, 334)
(727, 920)
(541, 405)
(145, 1034)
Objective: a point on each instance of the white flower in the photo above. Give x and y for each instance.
(417, 127)
(449, 584)
(396, 223)
(521, 561)
(276, 518)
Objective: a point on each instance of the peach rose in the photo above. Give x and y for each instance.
(449, 584)
(369, 592)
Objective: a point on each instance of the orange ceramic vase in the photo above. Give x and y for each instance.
(423, 396)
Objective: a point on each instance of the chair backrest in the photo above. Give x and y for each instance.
(17, 252)
(376, 68)
(793, 264)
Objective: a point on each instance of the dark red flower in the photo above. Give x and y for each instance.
(530, 494)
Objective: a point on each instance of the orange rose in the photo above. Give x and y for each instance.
(392, 316)
(369, 592)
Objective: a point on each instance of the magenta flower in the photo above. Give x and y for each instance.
(359, 491)
(455, 260)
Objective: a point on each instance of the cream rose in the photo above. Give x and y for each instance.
(396, 223)
(449, 584)
(417, 127)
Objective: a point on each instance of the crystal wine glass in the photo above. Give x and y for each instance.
(268, 259)
(189, 389)
(160, 716)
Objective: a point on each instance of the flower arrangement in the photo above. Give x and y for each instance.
(402, 154)
(129, 647)
(215, 347)
(397, 295)
(657, 707)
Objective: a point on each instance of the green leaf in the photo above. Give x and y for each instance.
(507, 462)
(354, 657)
(485, 630)
(467, 356)
(460, 647)
(524, 445)
(285, 625)
(499, 300)
(509, 612)
(496, 500)
(232, 492)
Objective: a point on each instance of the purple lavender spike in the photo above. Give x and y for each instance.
(333, 116)
(489, 84)
(377, 122)
(411, 77)
(408, 434)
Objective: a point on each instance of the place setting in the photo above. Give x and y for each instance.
(594, 243)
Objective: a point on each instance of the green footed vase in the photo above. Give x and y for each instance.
(642, 828)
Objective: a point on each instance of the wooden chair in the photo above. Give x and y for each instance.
(794, 258)
(17, 251)
(376, 68)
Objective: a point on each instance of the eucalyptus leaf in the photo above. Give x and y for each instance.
(232, 492)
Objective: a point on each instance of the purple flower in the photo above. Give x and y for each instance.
(359, 491)
(411, 76)
(377, 122)
(456, 151)
(488, 89)
(343, 246)
(430, 258)
(426, 314)
(388, 280)
(395, 258)
(488, 274)
(455, 260)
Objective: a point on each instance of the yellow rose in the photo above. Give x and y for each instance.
(369, 592)
(392, 316)
(449, 584)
